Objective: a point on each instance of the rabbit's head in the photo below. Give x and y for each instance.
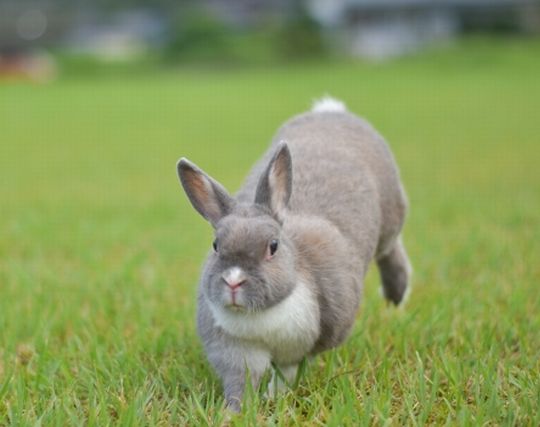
(251, 267)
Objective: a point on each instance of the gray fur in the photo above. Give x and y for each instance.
(276, 199)
(343, 205)
(395, 272)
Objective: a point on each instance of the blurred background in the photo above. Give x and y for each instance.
(41, 39)
(100, 250)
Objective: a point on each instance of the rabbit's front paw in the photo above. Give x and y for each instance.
(282, 378)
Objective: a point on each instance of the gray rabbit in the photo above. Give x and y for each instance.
(291, 249)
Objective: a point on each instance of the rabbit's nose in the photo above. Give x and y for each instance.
(234, 277)
(233, 286)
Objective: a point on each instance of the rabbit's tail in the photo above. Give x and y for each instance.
(327, 104)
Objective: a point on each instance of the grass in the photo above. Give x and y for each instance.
(100, 251)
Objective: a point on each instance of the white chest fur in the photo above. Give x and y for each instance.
(288, 330)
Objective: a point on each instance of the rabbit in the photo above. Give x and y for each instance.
(284, 277)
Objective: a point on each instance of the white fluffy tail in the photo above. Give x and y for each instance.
(329, 105)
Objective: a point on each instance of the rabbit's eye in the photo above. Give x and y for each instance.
(214, 245)
(273, 247)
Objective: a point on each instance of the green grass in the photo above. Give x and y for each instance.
(100, 250)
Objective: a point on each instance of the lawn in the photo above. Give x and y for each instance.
(100, 250)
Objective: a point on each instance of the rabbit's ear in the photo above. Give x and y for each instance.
(207, 195)
(275, 185)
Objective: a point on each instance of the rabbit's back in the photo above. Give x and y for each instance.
(344, 172)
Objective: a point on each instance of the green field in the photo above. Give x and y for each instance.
(100, 250)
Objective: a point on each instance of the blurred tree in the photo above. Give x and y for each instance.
(299, 36)
(195, 33)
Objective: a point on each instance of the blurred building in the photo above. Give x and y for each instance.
(31, 29)
(122, 29)
(125, 34)
(25, 27)
(246, 13)
(379, 29)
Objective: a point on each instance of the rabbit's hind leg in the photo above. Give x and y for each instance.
(395, 271)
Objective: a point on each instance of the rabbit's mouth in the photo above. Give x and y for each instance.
(236, 308)
(234, 300)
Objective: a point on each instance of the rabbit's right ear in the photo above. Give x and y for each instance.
(275, 185)
(207, 195)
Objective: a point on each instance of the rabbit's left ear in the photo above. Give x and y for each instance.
(207, 195)
(275, 185)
